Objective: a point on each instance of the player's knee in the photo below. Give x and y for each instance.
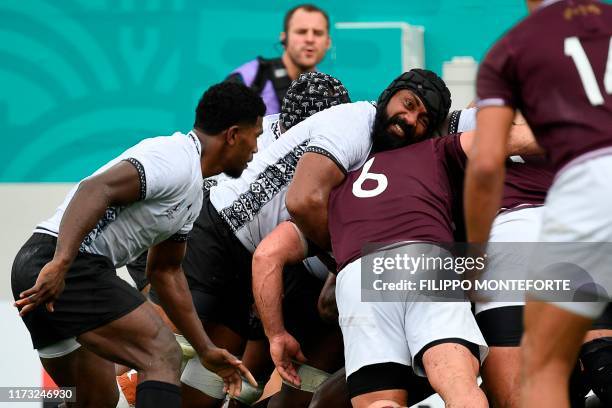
(173, 354)
(596, 358)
(165, 350)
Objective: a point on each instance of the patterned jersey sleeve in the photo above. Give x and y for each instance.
(496, 77)
(342, 134)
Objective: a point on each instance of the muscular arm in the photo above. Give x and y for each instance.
(281, 247)
(166, 276)
(118, 185)
(308, 195)
(485, 172)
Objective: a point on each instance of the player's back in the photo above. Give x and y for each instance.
(556, 67)
(399, 195)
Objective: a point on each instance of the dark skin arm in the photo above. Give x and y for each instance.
(281, 247)
(119, 185)
(166, 276)
(308, 195)
(486, 171)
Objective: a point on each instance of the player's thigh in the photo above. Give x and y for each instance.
(373, 332)
(136, 339)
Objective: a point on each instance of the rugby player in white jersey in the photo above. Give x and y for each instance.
(287, 245)
(218, 260)
(80, 314)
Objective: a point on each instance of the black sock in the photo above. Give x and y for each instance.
(152, 394)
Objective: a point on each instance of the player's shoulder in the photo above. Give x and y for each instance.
(177, 154)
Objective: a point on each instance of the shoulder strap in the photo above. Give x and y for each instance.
(273, 70)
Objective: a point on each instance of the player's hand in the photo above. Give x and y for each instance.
(49, 285)
(228, 367)
(283, 349)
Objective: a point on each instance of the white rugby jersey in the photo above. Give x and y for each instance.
(170, 200)
(254, 204)
(271, 132)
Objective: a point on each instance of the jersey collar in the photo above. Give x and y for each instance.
(546, 3)
(196, 142)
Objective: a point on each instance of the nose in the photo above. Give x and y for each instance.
(310, 36)
(410, 118)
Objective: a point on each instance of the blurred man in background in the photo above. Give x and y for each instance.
(305, 39)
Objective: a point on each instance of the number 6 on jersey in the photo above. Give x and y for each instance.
(380, 179)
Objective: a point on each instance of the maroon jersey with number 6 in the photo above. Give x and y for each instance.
(555, 66)
(406, 194)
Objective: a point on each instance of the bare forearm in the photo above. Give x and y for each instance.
(483, 191)
(176, 301)
(283, 246)
(268, 293)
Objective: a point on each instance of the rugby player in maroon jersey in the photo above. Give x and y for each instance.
(555, 67)
(417, 182)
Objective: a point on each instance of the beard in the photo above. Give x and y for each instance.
(383, 140)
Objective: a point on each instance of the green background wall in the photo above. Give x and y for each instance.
(81, 80)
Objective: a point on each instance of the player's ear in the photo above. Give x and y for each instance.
(231, 135)
(283, 39)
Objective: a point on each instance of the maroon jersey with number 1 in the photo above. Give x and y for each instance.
(555, 66)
